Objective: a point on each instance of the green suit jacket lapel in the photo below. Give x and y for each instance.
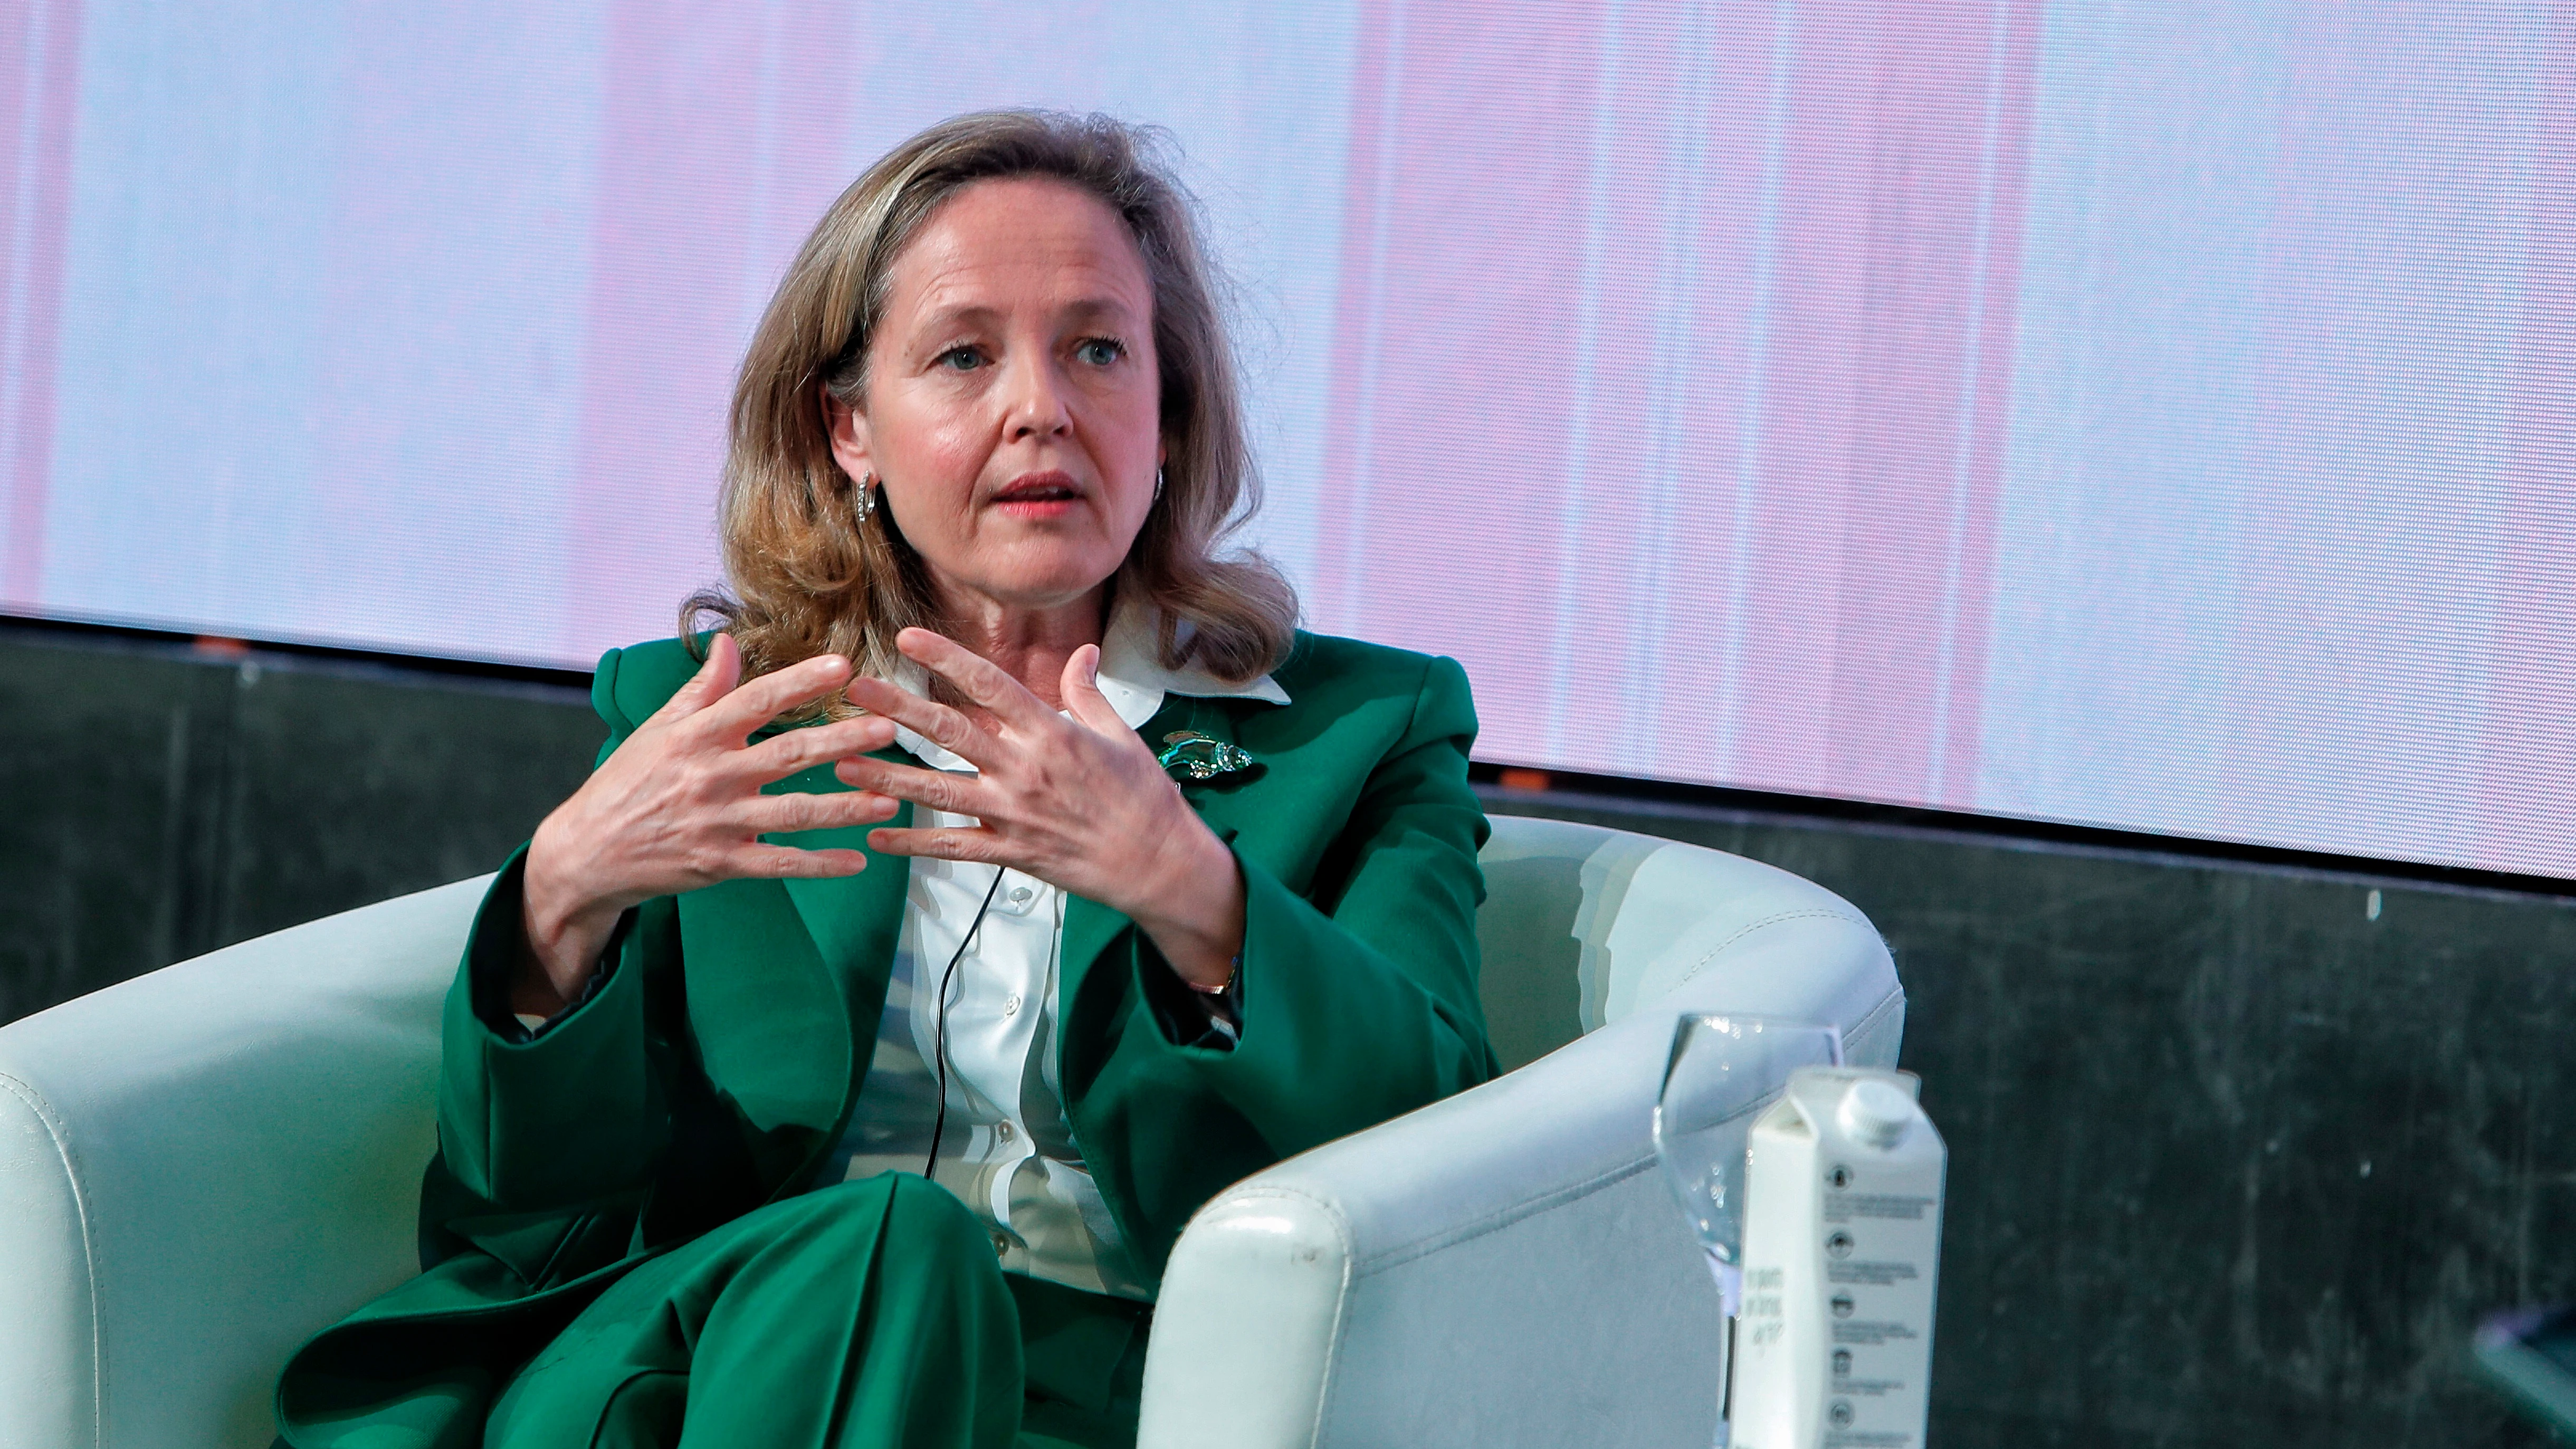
(787, 980)
(855, 921)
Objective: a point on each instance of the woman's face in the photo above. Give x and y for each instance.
(1013, 409)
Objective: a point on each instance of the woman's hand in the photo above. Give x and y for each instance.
(679, 807)
(1079, 803)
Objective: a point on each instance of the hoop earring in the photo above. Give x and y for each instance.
(867, 497)
(1158, 481)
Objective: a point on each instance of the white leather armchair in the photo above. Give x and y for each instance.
(203, 1165)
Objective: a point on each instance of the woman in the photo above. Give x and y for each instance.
(1004, 878)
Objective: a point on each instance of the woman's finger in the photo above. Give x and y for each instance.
(975, 676)
(931, 720)
(947, 843)
(811, 810)
(1083, 699)
(771, 695)
(715, 678)
(956, 793)
(786, 862)
(802, 749)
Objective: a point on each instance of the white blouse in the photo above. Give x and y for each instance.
(1007, 1150)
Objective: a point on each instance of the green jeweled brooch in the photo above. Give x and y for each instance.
(1187, 752)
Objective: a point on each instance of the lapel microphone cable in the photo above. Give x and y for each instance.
(939, 1124)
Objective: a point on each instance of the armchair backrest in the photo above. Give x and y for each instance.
(1584, 926)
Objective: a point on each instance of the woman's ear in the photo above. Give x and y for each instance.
(850, 444)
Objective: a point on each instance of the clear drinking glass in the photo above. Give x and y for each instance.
(1724, 1071)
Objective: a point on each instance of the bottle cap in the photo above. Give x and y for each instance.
(1875, 1114)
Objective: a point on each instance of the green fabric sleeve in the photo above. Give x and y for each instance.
(573, 1115)
(1361, 1004)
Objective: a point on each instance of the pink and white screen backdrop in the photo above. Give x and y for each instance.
(2152, 413)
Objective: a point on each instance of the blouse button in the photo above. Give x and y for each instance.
(1011, 1006)
(1006, 1131)
(1020, 895)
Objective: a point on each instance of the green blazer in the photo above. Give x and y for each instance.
(723, 1054)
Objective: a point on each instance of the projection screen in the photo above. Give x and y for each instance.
(2149, 414)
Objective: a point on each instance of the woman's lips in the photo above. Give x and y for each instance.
(1039, 495)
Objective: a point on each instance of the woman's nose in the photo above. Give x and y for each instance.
(1036, 400)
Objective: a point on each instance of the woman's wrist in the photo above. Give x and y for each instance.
(1233, 969)
(565, 932)
(1193, 907)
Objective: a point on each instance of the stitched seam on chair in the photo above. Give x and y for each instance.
(1341, 1299)
(89, 1252)
(1502, 1217)
(1886, 1004)
(1811, 914)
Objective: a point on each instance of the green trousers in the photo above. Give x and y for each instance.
(867, 1314)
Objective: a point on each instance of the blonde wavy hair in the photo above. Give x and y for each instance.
(810, 573)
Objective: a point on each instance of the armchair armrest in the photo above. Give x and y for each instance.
(1503, 1267)
(203, 1165)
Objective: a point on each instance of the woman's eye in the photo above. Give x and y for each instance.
(960, 359)
(1101, 351)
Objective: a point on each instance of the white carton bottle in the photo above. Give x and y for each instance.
(1842, 1247)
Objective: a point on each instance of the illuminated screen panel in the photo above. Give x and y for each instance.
(2152, 414)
